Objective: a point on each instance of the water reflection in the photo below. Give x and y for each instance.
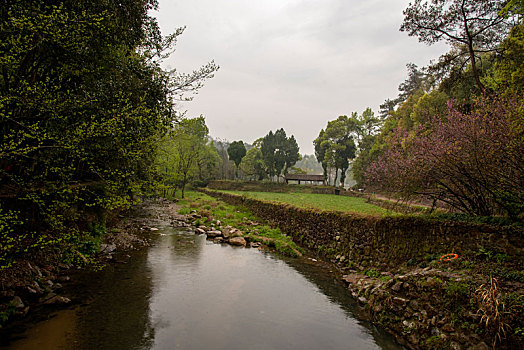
(188, 293)
(334, 290)
(118, 317)
(223, 297)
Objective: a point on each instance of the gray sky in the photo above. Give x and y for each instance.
(294, 64)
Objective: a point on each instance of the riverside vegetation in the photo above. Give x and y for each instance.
(211, 212)
(425, 297)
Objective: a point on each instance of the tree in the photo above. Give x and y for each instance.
(473, 161)
(253, 164)
(336, 146)
(83, 102)
(291, 153)
(309, 164)
(279, 153)
(430, 106)
(477, 25)
(509, 66)
(186, 152)
(513, 7)
(320, 153)
(417, 80)
(236, 152)
(207, 165)
(226, 168)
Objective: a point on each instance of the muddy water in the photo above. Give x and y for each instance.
(188, 293)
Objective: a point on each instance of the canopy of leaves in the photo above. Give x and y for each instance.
(83, 101)
(476, 25)
(236, 152)
(279, 153)
(185, 155)
(253, 165)
(343, 139)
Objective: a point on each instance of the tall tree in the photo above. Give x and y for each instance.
(336, 146)
(252, 164)
(226, 168)
(279, 152)
(320, 153)
(416, 80)
(187, 150)
(236, 151)
(477, 25)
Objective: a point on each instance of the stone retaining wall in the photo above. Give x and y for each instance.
(381, 241)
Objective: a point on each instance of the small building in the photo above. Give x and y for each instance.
(305, 178)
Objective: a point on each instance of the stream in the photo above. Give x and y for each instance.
(185, 292)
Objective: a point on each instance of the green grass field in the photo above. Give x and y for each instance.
(319, 201)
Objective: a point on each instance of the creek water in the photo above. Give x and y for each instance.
(188, 293)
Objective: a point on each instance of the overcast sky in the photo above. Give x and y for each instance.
(294, 64)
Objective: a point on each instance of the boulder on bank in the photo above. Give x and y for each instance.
(57, 299)
(238, 241)
(213, 234)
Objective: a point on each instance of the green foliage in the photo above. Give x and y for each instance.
(456, 290)
(338, 146)
(436, 342)
(343, 140)
(253, 165)
(185, 155)
(372, 273)
(236, 152)
(509, 67)
(471, 27)
(83, 102)
(490, 255)
(279, 153)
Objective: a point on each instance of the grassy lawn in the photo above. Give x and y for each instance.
(319, 201)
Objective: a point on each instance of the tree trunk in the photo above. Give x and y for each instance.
(474, 68)
(342, 177)
(336, 176)
(472, 52)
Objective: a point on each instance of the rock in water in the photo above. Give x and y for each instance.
(240, 241)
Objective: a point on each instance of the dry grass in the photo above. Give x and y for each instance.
(492, 310)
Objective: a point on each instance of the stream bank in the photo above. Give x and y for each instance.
(32, 290)
(188, 291)
(394, 266)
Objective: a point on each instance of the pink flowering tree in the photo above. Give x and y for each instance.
(472, 161)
